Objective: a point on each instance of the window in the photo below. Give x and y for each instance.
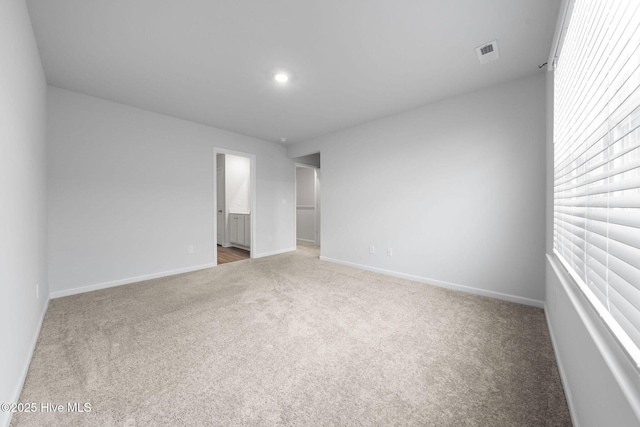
(597, 161)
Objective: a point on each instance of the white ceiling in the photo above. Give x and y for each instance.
(212, 61)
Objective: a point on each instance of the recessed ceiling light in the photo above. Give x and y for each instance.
(283, 139)
(281, 77)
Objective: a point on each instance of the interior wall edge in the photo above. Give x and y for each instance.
(27, 361)
(561, 370)
(24, 284)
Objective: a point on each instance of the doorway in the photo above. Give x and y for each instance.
(308, 224)
(234, 201)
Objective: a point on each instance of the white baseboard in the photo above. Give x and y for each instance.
(246, 248)
(25, 369)
(129, 280)
(307, 240)
(278, 252)
(440, 283)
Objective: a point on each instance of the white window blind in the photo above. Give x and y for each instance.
(597, 161)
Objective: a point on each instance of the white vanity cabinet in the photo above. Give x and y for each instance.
(240, 229)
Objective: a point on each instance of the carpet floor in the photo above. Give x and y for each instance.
(292, 340)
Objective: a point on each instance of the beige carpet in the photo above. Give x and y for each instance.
(291, 340)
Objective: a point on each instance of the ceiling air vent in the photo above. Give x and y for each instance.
(488, 52)
(487, 49)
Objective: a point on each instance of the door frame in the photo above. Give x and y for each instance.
(252, 189)
(317, 198)
(223, 203)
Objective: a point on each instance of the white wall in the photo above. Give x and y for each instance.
(456, 188)
(237, 187)
(22, 198)
(601, 384)
(129, 190)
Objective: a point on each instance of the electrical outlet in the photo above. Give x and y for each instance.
(372, 249)
(190, 249)
(389, 251)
